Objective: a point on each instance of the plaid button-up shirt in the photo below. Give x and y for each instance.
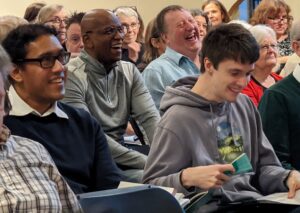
(30, 181)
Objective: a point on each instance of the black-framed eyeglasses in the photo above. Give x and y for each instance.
(48, 61)
(111, 30)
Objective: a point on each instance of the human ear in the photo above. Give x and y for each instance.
(296, 47)
(164, 37)
(16, 74)
(88, 44)
(154, 42)
(208, 65)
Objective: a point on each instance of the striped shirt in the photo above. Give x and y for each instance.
(30, 181)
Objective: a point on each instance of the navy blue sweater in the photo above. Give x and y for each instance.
(77, 145)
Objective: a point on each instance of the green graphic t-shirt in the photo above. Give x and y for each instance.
(230, 141)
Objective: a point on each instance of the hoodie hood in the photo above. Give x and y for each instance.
(180, 93)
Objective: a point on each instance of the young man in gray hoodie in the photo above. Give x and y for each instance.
(207, 123)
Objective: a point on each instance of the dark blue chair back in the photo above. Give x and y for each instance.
(141, 199)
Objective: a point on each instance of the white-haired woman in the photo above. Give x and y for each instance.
(132, 49)
(262, 76)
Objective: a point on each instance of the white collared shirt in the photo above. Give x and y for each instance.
(21, 108)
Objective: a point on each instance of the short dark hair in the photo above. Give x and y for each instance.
(160, 18)
(18, 39)
(229, 41)
(75, 18)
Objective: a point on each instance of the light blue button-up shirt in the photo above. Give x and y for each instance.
(165, 70)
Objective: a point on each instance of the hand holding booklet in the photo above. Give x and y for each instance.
(241, 165)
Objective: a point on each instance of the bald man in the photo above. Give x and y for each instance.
(110, 89)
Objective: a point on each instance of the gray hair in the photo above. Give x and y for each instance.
(47, 12)
(5, 63)
(5, 69)
(295, 30)
(260, 32)
(126, 11)
(241, 22)
(8, 23)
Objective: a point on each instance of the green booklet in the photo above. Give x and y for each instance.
(241, 165)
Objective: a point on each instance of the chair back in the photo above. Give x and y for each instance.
(146, 199)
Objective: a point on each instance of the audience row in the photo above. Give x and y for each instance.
(74, 85)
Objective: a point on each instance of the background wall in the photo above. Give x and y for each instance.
(147, 8)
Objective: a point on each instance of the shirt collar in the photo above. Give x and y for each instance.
(21, 108)
(175, 56)
(94, 62)
(296, 73)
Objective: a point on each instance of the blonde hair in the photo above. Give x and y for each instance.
(8, 23)
(47, 12)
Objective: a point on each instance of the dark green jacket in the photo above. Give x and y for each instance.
(280, 113)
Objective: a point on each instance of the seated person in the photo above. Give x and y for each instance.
(279, 110)
(56, 16)
(30, 181)
(180, 31)
(207, 123)
(293, 59)
(216, 12)
(262, 76)
(155, 46)
(74, 42)
(132, 49)
(277, 15)
(72, 136)
(110, 89)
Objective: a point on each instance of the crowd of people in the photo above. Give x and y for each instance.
(197, 88)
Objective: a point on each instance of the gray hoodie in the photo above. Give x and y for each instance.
(193, 131)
